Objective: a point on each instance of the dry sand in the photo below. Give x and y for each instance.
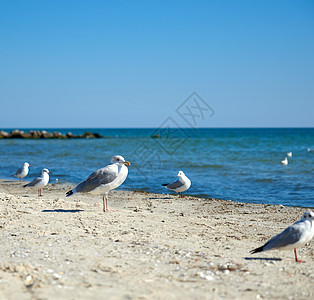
(152, 247)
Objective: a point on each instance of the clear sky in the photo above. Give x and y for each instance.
(74, 63)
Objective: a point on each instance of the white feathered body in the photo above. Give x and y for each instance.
(22, 172)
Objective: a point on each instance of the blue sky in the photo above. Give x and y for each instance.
(132, 63)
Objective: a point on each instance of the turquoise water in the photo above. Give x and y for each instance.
(231, 164)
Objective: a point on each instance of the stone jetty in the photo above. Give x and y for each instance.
(43, 134)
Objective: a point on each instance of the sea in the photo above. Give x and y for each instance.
(237, 164)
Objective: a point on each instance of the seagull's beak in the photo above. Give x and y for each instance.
(49, 172)
(127, 163)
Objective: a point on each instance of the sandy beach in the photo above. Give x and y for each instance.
(152, 246)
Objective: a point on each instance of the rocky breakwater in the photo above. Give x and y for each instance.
(43, 134)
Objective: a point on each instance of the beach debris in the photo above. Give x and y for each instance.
(208, 275)
(29, 281)
(180, 185)
(40, 182)
(104, 180)
(294, 236)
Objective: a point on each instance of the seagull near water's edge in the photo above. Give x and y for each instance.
(40, 182)
(294, 236)
(180, 185)
(22, 172)
(104, 180)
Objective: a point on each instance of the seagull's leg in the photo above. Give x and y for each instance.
(39, 193)
(296, 258)
(107, 207)
(103, 203)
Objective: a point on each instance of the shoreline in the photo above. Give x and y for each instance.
(167, 192)
(153, 246)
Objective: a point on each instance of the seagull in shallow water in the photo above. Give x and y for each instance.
(285, 161)
(180, 185)
(22, 172)
(40, 182)
(295, 236)
(289, 154)
(104, 180)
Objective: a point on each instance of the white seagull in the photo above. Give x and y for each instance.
(22, 172)
(180, 185)
(285, 161)
(289, 154)
(40, 182)
(295, 236)
(104, 180)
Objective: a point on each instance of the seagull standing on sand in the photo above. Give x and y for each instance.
(289, 154)
(22, 172)
(285, 161)
(295, 236)
(180, 185)
(104, 180)
(40, 182)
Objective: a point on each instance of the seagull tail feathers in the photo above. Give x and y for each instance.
(69, 193)
(165, 184)
(260, 249)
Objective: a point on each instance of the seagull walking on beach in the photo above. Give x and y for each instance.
(289, 154)
(285, 161)
(40, 182)
(180, 185)
(22, 172)
(295, 236)
(104, 180)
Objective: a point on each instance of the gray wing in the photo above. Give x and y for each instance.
(19, 171)
(34, 182)
(174, 185)
(289, 236)
(100, 177)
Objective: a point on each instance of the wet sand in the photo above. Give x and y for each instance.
(153, 246)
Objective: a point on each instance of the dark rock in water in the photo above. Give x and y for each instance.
(91, 135)
(16, 134)
(70, 135)
(4, 134)
(156, 136)
(36, 134)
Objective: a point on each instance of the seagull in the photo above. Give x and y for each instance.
(22, 172)
(285, 161)
(104, 180)
(180, 185)
(40, 182)
(289, 154)
(295, 236)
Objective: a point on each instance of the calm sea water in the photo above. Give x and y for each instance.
(231, 164)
